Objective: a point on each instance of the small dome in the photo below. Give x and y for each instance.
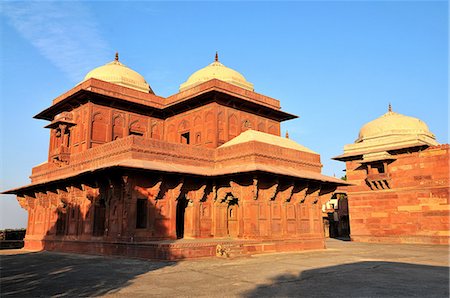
(394, 124)
(216, 70)
(117, 73)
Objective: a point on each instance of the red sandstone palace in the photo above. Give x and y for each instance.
(130, 172)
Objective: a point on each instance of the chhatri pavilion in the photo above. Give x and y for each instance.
(203, 172)
(400, 182)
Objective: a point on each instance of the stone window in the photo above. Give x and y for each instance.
(376, 168)
(185, 138)
(136, 133)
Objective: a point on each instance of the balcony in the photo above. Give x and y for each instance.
(60, 155)
(378, 181)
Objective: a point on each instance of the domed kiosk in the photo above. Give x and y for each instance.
(395, 124)
(391, 131)
(400, 182)
(118, 73)
(216, 70)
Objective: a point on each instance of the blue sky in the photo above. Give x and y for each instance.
(335, 64)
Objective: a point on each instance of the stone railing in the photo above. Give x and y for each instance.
(136, 148)
(268, 154)
(131, 147)
(378, 177)
(225, 87)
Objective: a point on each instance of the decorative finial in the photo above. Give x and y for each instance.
(117, 57)
(287, 134)
(217, 57)
(390, 108)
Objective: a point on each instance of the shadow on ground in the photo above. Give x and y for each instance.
(362, 279)
(37, 274)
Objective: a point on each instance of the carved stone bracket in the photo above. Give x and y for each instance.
(61, 191)
(314, 191)
(31, 201)
(92, 193)
(151, 193)
(255, 188)
(176, 191)
(299, 193)
(286, 195)
(221, 192)
(273, 191)
(196, 194)
(23, 202)
(236, 189)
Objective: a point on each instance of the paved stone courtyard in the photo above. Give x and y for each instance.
(345, 269)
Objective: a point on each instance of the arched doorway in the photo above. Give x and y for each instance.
(181, 209)
(232, 218)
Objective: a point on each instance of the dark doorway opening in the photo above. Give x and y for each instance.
(181, 209)
(141, 213)
(61, 223)
(99, 218)
(232, 218)
(185, 138)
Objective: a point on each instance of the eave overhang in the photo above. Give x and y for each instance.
(155, 166)
(358, 155)
(145, 154)
(111, 95)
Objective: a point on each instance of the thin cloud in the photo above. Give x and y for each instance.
(64, 32)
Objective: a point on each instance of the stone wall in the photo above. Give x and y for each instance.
(133, 207)
(411, 204)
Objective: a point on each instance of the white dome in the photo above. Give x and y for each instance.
(117, 73)
(216, 70)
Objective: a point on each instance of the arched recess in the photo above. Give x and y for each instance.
(184, 125)
(209, 123)
(233, 128)
(221, 128)
(136, 128)
(182, 203)
(184, 132)
(155, 131)
(118, 127)
(198, 130)
(98, 128)
(232, 217)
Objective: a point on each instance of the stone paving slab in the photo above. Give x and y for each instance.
(345, 269)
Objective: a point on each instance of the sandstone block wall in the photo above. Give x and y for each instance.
(415, 208)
